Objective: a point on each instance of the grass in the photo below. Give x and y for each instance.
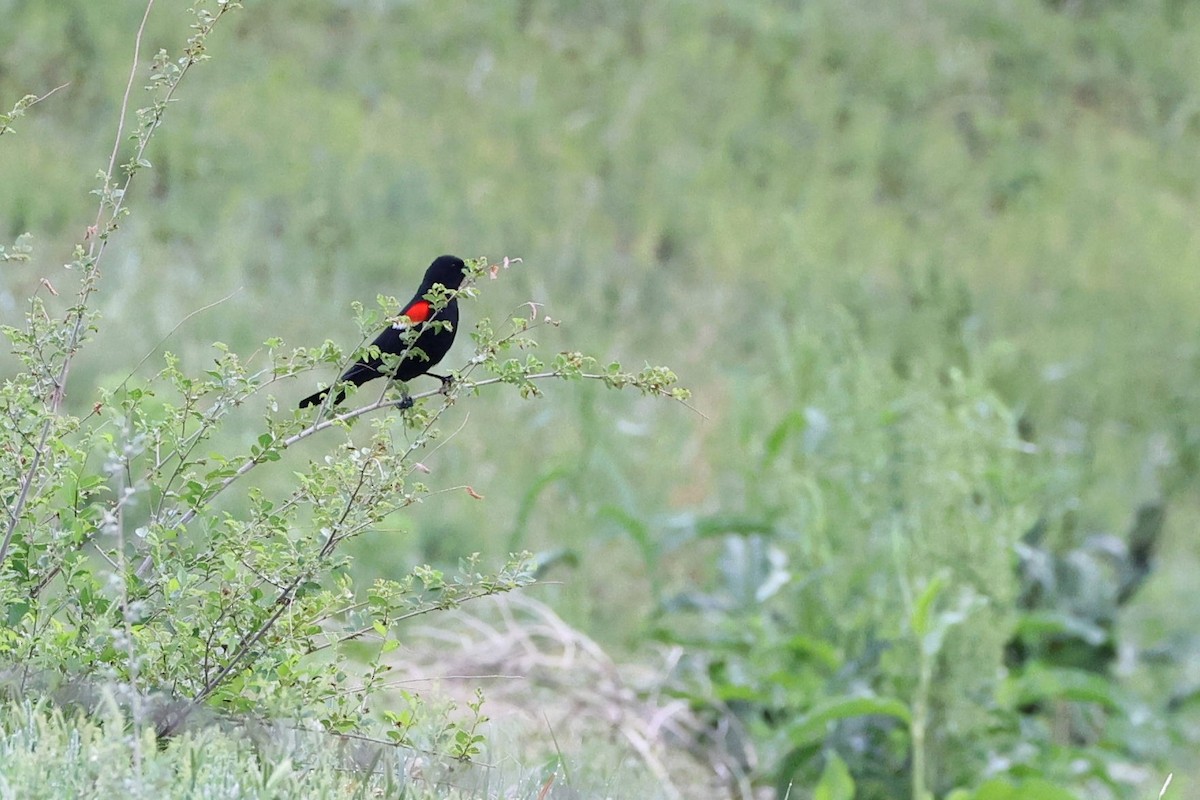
(564, 722)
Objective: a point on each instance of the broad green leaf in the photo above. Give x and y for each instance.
(836, 782)
(811, 728)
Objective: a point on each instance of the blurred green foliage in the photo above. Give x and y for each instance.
(929, 267)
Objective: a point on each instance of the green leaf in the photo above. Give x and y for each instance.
(1049, 623)
(793, 423)
(812, 727)
(924, 605)
(813, 649)
(835, 782)
(996, 789)
(1000, 789)
(1041, 789)
(721, 524)
(1038, 683)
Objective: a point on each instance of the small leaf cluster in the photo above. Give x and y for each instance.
(20, 250)
(492, 355)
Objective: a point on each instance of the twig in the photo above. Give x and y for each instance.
(244, 646)
(405, 681)
(47, 94)
(112, 159)
(171, 333)
(24, 105)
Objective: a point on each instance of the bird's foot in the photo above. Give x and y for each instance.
(447, 382)
(404, 402)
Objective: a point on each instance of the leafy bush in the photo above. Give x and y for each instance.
(887, 616)
(866, 610)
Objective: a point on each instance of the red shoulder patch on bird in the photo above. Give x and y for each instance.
(419, 311)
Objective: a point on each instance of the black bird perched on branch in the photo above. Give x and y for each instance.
(416, 356)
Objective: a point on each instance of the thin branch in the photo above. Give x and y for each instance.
(14, 514)
(405, 681)
(47, 94)
(249, 641)
(171, 333)
(23, 105)
(358, 737)
(112, 159)
(478, 594)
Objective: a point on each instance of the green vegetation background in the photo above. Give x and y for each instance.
(820, 214)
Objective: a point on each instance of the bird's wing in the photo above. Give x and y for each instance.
(417, 311)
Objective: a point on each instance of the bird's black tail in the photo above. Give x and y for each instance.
(316, 398)
(358, 374)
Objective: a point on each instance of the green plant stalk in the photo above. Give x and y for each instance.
(919, 725)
